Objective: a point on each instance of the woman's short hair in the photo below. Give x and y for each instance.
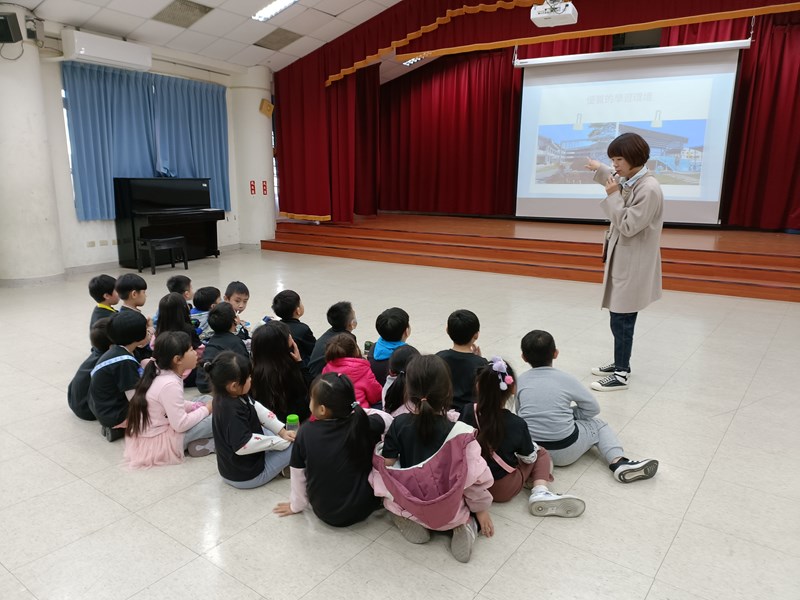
(632, 147)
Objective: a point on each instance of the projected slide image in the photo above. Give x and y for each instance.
(676, 149)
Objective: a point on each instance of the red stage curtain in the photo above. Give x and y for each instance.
(450, 131)
(449, 136)
(353, 124)
(301, 136)
(601, 43)
(761, 187)
(368, 105)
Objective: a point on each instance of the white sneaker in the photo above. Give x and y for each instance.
(548, 504)
(634, 470)
(463, 540)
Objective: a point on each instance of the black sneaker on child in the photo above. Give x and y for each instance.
(112, 434)
(614, 382)
(603, 371)
(627, 471)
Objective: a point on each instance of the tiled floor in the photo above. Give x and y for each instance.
(714, 398)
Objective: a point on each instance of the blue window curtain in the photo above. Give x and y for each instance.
(110, 115)
(132, 124)
(192, 133)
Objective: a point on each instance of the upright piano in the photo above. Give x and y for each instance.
(164, 207)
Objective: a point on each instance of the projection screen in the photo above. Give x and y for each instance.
(678, 98)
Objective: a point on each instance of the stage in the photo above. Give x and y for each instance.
(712, 261)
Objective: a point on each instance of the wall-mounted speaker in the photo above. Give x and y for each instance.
(9, 28)
(266, 107)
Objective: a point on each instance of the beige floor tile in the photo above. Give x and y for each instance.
(86, 453)
(11, 588)
(752, 514)
(358, 579)
(664, 591)
(209, 512)
(198, 579)
(38, 526)
(669, 492)
(29, 475)
(19, 403)
(99, 565)
(672, 446)
(266, 556)
(757, 469)
(488, 554)
(547, 569)
(61, 426)
(719, 566)
(629, 534)
(11, 447)
(135, 489)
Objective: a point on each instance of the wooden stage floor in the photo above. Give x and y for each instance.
(716, 261)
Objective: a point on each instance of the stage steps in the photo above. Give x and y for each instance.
(756, 275)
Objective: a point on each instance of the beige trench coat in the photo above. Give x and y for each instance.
(632, 278)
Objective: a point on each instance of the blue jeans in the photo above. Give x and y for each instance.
(622, 325)
(274, 462)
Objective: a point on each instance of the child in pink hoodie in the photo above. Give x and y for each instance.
(343, 356)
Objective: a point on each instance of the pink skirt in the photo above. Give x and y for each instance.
(166, 448)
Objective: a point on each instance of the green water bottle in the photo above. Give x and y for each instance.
(292, 422)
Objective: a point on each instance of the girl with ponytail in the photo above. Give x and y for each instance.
(161, 424)
(506, 445)
(394, 392)
(432, 476)
(332, 456)
(253, 445)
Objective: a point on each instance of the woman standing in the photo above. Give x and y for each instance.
(632, 280)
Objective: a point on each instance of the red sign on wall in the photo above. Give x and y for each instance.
(264, 187)
(252, 187)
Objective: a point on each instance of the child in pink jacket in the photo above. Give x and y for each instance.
(344, 357)
(161, 424)
(430, 471)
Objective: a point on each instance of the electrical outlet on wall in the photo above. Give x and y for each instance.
(90, 244)
(113, 242)
(104, 242)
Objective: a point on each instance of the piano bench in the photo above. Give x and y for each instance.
(167, 243)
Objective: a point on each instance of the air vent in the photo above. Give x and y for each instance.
(280, 38)
(183, 13)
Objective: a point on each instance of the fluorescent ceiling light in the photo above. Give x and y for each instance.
(272, 9)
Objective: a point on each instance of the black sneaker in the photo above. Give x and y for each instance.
(112, 434)
(634, 470)
(614, 382)
(603, 371)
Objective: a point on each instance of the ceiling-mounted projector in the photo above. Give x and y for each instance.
(553, 13)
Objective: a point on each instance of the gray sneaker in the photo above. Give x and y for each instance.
(463, 540)
(411, 530)
(202, 447)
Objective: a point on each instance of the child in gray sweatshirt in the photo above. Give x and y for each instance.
(562, 414)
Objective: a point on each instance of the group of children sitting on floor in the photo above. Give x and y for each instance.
(428, 437)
